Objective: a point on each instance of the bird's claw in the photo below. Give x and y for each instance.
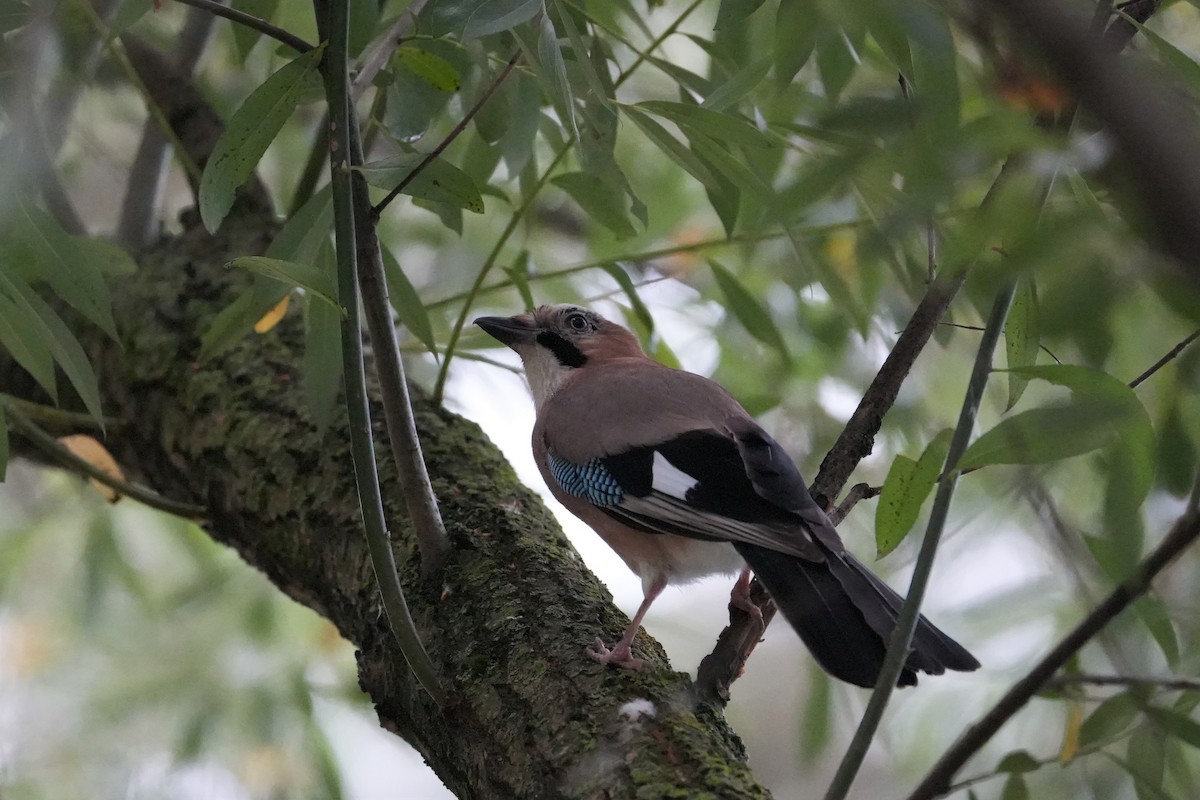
(619, 656)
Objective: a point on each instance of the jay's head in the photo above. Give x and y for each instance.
(555, 341)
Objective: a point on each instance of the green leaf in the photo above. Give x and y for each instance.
(1021, 337)
(1154, 615)
(836, 60)
(709, 123)
(322, 367)
(1015, 788)
(3, 443)
(440, 181)
(245, 37)
(1109, 719)
(494, 16)
(1180, 62)
(518, 273)
(1018, 761)
(740, 174)
(309, 277)
(748, 310)
(433, 69)
(672, 147)
(1145, 749)
(733, 11)
(249, 132)
(1178, 725)
(407, 302)
(552, 69)
(41, 320)
(907, 485)
(20, 336)
(796, 25)
(68, 264)
(640, 311)
(1102, 411)
(738, 86)
(603, 200)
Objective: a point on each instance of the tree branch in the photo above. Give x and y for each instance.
(250, 21)
(937, 781)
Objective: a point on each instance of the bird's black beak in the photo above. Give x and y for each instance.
(512, 331)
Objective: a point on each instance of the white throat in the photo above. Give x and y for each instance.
(543, 372)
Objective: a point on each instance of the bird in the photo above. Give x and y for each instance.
(681, 482)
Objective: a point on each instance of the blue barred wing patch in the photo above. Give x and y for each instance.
(591, 481)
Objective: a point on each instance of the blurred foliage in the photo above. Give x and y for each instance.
(748, 186)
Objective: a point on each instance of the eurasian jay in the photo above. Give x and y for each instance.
(676, 477)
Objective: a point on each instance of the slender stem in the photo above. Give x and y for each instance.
(337, 91)
(50, 447)
(450, 137)
(1162, 362)
(488, 263)
(57, 417)
(937, 781)
(898, 648)
(419, 496)
(1168, 683)
(250, 21)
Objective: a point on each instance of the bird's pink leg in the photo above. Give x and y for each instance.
(621, 654)
(740, 597)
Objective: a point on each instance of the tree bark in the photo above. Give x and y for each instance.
(529, 714)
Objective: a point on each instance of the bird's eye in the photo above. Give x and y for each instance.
(578, 322)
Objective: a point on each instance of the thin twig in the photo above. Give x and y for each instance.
(857, 493)
(1168, 683)
(450, 137)
(50, 447)
(332, 19)
(937, 781)
(906, 623)
(1162, 362)
(250, 21)
(419, 497)
(57, 417)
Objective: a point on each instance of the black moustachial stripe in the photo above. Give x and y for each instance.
(567, 354)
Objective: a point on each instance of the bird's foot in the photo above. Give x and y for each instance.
(619, 656)
(740, 598)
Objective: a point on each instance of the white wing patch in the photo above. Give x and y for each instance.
(669, 479)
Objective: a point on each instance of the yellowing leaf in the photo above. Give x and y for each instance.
(270, 319)
(1070, 740)
(842, 250)
(88, 449)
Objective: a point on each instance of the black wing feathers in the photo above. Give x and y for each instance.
(747, 490)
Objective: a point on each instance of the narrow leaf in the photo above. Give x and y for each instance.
(1021, 337)
(796, 25)
(245, 37)
(738, 86)
(19, 335)
(602, 199)
(672, 147)
(1109, 718)
(250, 130)
(907, 485)
(268, 321)
(716, 124)
(433, 69)
(407, 302)
(640, 311)
(440, 181)
(748, 310)
(3, 443)
(67, 353)
(734, 11)
(65, 262)
(1178, 725)
(494, 16)
(304, 276)
(88, 449)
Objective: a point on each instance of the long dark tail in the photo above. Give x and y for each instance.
(845, 615)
